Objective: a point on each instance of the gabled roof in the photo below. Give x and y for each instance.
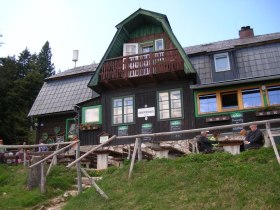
(62, 91)
(231, 43)
(129, 24)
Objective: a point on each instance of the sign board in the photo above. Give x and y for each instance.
(147, 128)
(146, 112)
(103, 139)
(176, 125)
(237, 118)
(123, 130)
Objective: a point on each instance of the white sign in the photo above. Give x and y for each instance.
(103, 139)
(146, 112)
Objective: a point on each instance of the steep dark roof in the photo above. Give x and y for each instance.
(231, 43)
(62, 91)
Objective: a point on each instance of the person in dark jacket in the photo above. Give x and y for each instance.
(255, 138)
(204, 144)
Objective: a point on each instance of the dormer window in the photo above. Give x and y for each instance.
(145, 47)
(221, 62)
(159, 44)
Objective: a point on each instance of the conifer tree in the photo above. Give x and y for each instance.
(46, 67)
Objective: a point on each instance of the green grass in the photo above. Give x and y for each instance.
(250, 180)
(15, 195)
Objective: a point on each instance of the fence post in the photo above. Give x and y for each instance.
(24, 157)
(43, 179)
(78, 165)
(272, 142)
(133, 157)
(139, 149)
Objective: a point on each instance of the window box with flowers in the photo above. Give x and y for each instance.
(89, 126)
(91, 118)
(267, 111)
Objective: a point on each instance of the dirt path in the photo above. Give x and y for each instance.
(58, 202)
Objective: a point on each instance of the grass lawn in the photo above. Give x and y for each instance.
(250, 180)
(15, 195)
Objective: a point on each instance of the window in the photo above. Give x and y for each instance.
(71, 128)
(273, 95)
(221, 62)
(159, 44)
(251, 98)
(130, 49)
(123, 110)
(208, 103)
(170, 104)
(229, 100)
(147, 49)
(92, 114)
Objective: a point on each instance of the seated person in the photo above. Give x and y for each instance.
(19, 154)
(204, 144)
(243, 134)
(254, 139)
(215, 137)
(42, 148)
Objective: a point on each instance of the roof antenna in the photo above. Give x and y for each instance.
(75, 56)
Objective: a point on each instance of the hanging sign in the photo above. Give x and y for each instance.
(237, 118)
(123, 130)
(176, 125)
(146, 112)
(147, 128)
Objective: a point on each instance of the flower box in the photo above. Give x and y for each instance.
(261, 113)
(89, 126)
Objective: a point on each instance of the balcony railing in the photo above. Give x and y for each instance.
(142, 65)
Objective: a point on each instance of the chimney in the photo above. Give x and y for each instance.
(246, 32)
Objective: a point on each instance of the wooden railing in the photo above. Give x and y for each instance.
(142, 65)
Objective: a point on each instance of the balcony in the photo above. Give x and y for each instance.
(143, 67)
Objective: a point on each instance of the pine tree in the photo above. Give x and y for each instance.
(46, 67)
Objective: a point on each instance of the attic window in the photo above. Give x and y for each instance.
(222, 62)
(159, 44)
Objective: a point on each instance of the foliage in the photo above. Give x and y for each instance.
(15, 195)
(200, 181)
(46, 67)
(20, 83)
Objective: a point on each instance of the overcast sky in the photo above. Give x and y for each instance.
(89, 25)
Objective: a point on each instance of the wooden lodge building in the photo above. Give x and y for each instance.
(147, 82)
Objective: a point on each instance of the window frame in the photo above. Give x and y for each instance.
(112, 108)
(267, 96)
(240, 101)
(216, 56)
(252, 88)
(156, 45)
(169, 100)
(84, 109)
(210, 93)
(146, 44)
(67, 127)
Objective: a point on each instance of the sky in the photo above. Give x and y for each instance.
(89, 25)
